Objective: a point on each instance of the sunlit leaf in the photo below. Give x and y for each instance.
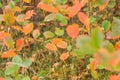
(8, 41)
(18, 28)
(84, 19)
(64, 56)
(56, 40)
(73, 30)
(8, 54)
(19, 44)
(47, 7)
(20, 18)
(27, 62)
(9, 19)
(28, 28)
(106, 25)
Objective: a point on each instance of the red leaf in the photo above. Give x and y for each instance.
(9, 53)
(47, 7)
(19, 44)
(73, 30)
(84, 19)
(28, 28)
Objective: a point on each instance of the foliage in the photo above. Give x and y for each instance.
(59, 40)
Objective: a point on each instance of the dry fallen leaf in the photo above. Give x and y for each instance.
(19, 44)
(29, 14)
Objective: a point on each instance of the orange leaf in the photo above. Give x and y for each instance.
(73, 30)
(114, 77)
(27, 1)
(18, 9)
(28, 28)
(9, 53)
(62, 44)
(74, 10)
(51, 46)
(36, 33)
(4, 34)
(56, 40)
(19, 44)
(17, 28)
(84, 19)
(47, 7)
(103, 6)
(64, 56)
(29, 14)
(2, 78)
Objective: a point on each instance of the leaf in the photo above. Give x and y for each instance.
(36, 33)
(4, 34)
(18, 28)
(19, 44)
(48, 34)
(1, 78)
(27, 1)
(17, 59)
(47, 7)
(84, 19)
(8, 41)
(74, 10)
(59, 32)
(106, 25)
(20, 18)
(94, 74)
(97, 37)
(9, 18)
(62, 44)
(27, 62)
(114, 77)
(8, 54)
(12, 69)
(64, 56)
(61, 18)
(26, 78)
(29, 14)
(103, 6)
(28, 28)
(73, 30)
(51, 47)
(49, 17)
(56, 40)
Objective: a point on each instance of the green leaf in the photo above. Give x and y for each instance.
(109, 46)
(92, 19)
(8, 78)
(49, 17)
(27, 62)
(59, 32)
(48, 34)
(106, 25)
(61, 18)
(78, 53)
(12, 69)
(26, 78)
(17, 59)
(97, 38)
(9, 42)
(60, 1)
(94, 74)
(83, 42)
